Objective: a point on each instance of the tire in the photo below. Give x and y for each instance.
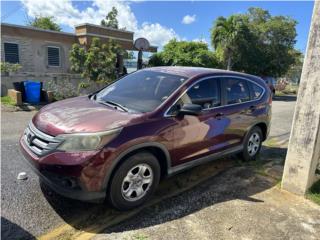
(134, 181)
(252, 144)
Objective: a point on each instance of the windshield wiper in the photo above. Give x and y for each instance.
(115, 104)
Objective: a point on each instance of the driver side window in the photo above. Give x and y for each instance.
(205, 93)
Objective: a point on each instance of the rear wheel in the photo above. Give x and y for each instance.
(252, 144)
(134, 181)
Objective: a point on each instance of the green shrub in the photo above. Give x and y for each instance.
(9, 67)
(314, 192)
(97, 63)
(6, 100)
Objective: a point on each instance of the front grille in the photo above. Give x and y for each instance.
(39, 142)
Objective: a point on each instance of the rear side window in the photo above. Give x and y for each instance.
(257, 91)
(237, 91)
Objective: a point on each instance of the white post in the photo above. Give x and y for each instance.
(304, 145)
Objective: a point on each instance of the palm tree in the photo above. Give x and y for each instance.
(225, 33)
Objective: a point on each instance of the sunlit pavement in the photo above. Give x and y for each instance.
(29, 209)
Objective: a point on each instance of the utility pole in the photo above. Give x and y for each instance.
(303, 155)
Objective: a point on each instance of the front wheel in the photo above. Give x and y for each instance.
(134, 181)
(252, 144)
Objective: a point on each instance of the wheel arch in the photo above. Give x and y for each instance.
(264, 128)
(157, 149)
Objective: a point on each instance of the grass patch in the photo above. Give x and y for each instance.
(314, 193)
(279, 94)
(140, 237)
(289, 90)
(7, 101)
(271, 142)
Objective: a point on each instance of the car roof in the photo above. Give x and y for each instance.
(191, 72)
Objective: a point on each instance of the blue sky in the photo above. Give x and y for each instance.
(158, 21)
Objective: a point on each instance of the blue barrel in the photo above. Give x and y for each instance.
(32, 91)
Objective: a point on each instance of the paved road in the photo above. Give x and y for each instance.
(29, 209)
(282, 114)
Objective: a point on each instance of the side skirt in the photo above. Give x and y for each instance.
(199, 161)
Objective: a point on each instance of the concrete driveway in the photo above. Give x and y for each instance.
(221, 200)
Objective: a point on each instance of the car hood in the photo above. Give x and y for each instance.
(80, 114)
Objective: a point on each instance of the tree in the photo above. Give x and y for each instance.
(259, 43)
(184, 53)
(111, 19)
(128, 55)
(295, 70)
(97, 63)
(77, 58)
(45, 23)
(225, 34)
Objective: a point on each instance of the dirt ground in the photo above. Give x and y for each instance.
(245, 202)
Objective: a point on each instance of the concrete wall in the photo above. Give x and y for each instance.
(33, 57)
(304, 145)
(33, 45)
(63, 85)
(33, 54)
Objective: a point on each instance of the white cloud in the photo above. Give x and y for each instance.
(66, 13)
(200, 40)
(188, 19)
(159, 34)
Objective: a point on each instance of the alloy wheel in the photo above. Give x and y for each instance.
(253, 144)
(137, 182)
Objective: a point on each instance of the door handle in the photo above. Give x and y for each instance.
(218, 115)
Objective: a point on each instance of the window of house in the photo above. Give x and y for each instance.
(54, 56)
(205, 93)
(11, 52)
(257, 91)
(237, 91)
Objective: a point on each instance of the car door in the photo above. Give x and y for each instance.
(198, 136)
(238, 107)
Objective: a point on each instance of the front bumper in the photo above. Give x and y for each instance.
(67, 185)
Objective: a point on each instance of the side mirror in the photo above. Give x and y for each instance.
(190, 109)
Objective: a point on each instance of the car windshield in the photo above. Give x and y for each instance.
(142, 91)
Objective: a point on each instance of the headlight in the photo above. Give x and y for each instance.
(86, 141)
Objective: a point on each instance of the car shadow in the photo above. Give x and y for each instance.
(285, 98)
(10, 230)
(183, 194)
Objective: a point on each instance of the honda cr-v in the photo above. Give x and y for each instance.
(119, 142)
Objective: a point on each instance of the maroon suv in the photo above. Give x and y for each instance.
(120, 141)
